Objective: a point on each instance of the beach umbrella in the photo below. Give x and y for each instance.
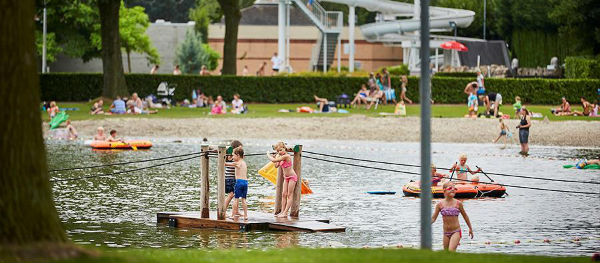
(453, 45)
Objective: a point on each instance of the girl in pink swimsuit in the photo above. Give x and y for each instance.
(284, 161)
(450, 208)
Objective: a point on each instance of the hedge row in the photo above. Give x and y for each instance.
(579, 67)
(83, 87)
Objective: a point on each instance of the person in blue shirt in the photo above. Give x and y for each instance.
(118, 106)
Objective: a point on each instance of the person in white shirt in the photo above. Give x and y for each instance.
(276, 63)
(237, 104)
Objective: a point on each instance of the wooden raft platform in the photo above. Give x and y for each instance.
(256, 221)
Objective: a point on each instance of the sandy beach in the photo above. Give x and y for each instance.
(355, 127)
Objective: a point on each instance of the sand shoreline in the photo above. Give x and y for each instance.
(355, 127)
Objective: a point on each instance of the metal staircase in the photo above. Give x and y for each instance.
(330, 24)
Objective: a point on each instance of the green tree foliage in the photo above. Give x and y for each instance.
(204, 13)
(579, 20)
(133, 23)
(72, 24)
(52, 47)
(170, 10)
(191, 54)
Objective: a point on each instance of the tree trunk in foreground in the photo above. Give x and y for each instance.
(231, 10)
(26, 205)
(112, 61)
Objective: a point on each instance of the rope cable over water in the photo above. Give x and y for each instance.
(415, 173)
(417, 166)
(122, 172)
(123, 163)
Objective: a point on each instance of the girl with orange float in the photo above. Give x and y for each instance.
(284, 160)
(450, 208)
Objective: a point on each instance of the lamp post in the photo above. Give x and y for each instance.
(44, 41)
(453, 26)
(484, 16)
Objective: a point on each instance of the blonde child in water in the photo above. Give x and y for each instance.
(284, 160)
(450, 208)
(462, 168)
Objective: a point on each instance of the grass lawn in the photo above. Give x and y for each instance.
(271, 110)
(307, 255)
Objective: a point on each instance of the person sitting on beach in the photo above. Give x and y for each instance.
(321, 102)
(380, 86)
(595, 108)
(564, 109)
(361, 96)
(237, 104)
(113, 137)
(375, 94)
(284, 160)
(118, 106)
(450, 208)
(504, 132)
(135, 110)
(137, 102)
(100, 134)
(517, 105)
(219, 106)
(97, 108)
(588, 108)
(241, 181)
(53, 109)
(462, 168)
(72, 131)
(202, 100)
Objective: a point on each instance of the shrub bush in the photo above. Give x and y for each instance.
(579, 67)
(457, 74)
(291, 89)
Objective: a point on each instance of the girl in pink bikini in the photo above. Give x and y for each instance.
(284, 160)
(450, 208)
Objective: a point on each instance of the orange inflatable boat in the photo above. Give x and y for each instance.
(139, 144)
(468, 190)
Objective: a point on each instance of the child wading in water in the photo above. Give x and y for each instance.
(241, 181)
(230, 177)
(450, 208)
(504, 132)
(462, 168)
(284, 160)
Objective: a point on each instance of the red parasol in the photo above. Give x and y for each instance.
(454, 45)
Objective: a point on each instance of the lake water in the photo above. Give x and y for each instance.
(120, 210)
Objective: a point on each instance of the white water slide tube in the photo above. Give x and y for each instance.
(440, 17)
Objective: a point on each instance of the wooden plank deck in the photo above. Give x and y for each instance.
(256, 221)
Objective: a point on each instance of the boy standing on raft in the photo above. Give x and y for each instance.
(230, 176)
(241, 181)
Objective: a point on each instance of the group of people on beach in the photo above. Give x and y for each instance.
(379, 88)
(588, 109)
(123, 105)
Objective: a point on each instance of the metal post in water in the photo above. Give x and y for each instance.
(424, 86)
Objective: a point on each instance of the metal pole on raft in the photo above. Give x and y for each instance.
(221, 184)
(425, 129)
(297, 166)
(204, 185)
